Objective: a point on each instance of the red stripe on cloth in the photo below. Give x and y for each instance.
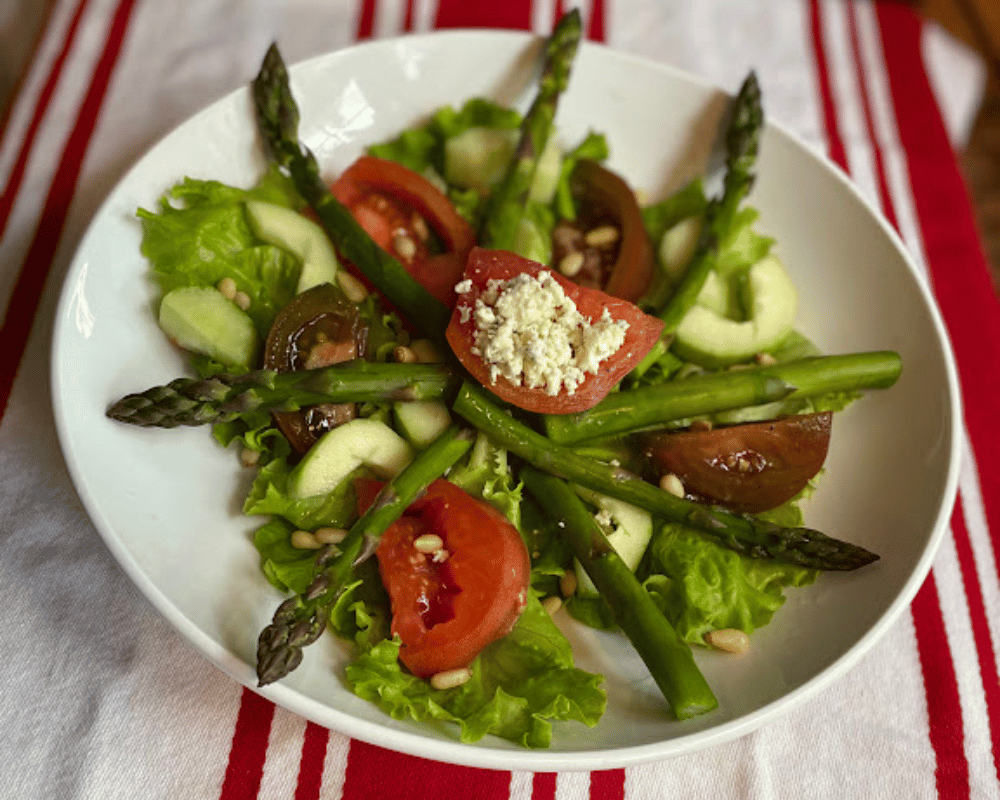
(366, 19)
(27, 291)
(835, 145)
(595, 25)
(885, 198)
(980, 629)
(16, 176)
(314, 743)
(543, 786)
(374, 773)
(607, 785)
(941, 688)
(249, 748)
(940, 682)
(409, 15)
(484, 14)
(963, 543)
(33, 51)
(958, 267)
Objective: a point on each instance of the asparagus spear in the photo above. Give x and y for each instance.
(506, 207)
(278, 121)
(742, 533)
(668, 659)
(742, 140)
(652, 406)
(221, 398)
(300, 620)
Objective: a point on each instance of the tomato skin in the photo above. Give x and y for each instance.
(748, 468)
(486, 265)
(383, 196)
(446, 612)
(633, 269)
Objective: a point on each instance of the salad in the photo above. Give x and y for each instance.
(478, 384)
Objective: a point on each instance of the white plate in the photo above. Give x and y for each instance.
(167, 502)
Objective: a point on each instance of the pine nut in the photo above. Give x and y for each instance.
(420, 228)
(428, 543)
(552, 604)
(604, 236)
(304, 540)
(451, 678)
(571, 263)
(353, 289)
(671, 483)
(700, 425)
(248, 457)
(426, 352)
(567, 583)
(729, 640)
(330, 535)
(227, 286)
(404, 355)
(242, 299)
(765, 359)
(404, 246)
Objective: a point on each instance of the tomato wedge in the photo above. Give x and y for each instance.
(398, 208)
(448, 605)
(749, 468)
(624, 269)
(487, 268)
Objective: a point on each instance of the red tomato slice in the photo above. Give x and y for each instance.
(749, 468)
(446, 610)
(490, 265)
(395, 205)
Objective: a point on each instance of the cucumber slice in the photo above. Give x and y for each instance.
(477, 157)
(547, 173)
(421, 421)
(290, 230)
(707, 338)
(678, 245)
(632, 529)
(201, 319)
(339, 452)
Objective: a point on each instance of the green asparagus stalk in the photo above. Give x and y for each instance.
(742, 533)
(742, 140)
(668, 659)
(652, 406)
(278, 121)
(506, 207)
(222, 398)
(300, 620)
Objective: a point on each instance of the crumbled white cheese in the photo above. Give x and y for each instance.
(529, 331)
(463, 287)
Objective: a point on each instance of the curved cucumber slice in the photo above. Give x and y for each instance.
(477, 157)
(771, 301)
(421, 421)
(337, 453)
(201, 319)
(632, 528)
(678, 245)
(288, 229)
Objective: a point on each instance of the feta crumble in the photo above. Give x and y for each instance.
(529, 330)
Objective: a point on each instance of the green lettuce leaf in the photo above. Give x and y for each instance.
(701, 586)
(269, 496)
(520, 684)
